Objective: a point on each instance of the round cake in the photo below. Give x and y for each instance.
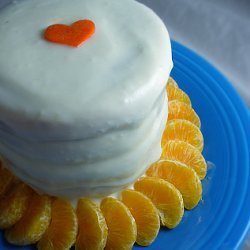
(83, 121)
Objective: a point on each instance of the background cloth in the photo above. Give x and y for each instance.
(218, 30)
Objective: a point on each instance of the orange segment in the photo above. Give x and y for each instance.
(6, 179)
(165, 197)
(175, 93)
(182, 177)
(30, 228)
(187, 154)
(93, 229)
(121, 224)
(172, 82)
(145, 214)
(183, 130)
(13, 205)
(181, 110)
(61, 233)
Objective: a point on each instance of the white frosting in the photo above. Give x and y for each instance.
(88, 120)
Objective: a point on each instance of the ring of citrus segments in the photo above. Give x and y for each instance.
(171, 183)
(61, 233)
(93, 230)
(175, 93)
(7, 179)
(121, 224)
(180, 110)
(31, 227)
(13, 205)
(145, 214)
(182, 177)
(185, 153)
(183, 130)
(166, 198)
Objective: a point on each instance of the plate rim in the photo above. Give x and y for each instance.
(237, 102)
(244, 115)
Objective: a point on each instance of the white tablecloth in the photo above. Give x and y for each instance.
(219, 30)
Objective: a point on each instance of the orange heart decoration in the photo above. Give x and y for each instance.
(74, 35)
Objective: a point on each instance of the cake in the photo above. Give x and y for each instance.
(96, 150)
(74, 120)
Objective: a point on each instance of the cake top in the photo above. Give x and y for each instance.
(123, 66)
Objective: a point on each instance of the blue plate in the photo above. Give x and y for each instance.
(222, 219)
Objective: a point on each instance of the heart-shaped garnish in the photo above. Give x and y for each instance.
(74, 35)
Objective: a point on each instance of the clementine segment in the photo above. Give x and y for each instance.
(183, 130)
(6, 178)
(93, 229)
(187, 154)
(165, 197)
(145, 214)
(30, 228)
(61, 233)
(172, 82)
(182, 177)
(175, 93)
(13, 205)
(181, 110)
(121, 224)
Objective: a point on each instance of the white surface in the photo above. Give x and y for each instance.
(88, 120)
(216, 29)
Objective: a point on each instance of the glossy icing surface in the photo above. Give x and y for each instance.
(87, 120)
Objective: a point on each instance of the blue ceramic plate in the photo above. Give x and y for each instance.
(222, 218)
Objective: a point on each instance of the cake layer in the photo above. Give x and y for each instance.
(98, 176)
(122, 68)
(82, 151)
(87, 120)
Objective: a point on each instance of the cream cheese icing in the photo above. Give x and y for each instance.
(88, 120)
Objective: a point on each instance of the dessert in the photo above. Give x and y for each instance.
(72, 117)
(175, 184)
(89, 155)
